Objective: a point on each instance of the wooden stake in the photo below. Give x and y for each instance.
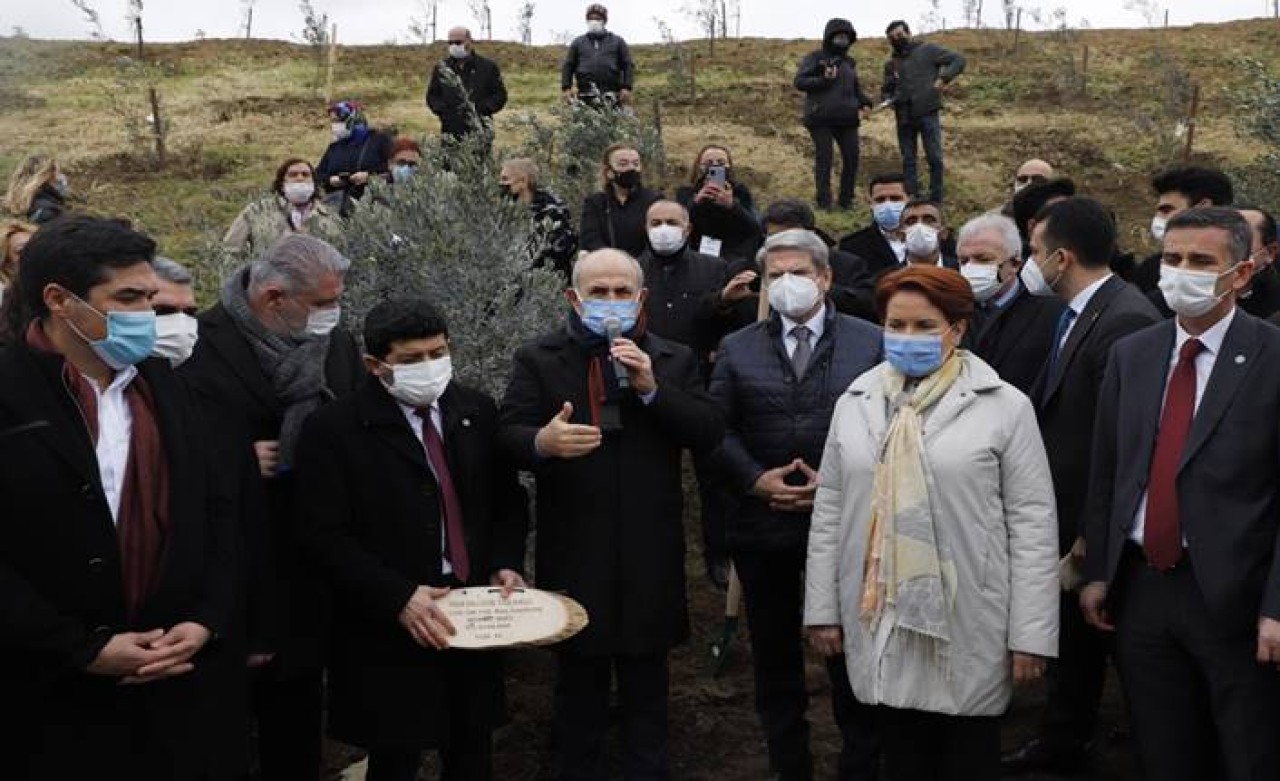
(157, 127)
(1191, 124)
(1017, 30)
(1166, 17)
(1084, 71)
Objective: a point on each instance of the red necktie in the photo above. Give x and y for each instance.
(455, 543)
(1162, 535)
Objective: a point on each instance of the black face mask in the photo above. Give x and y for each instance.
(839, 48)
(627, 180)
(900, 45)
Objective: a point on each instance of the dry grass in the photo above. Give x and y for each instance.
(237, 108)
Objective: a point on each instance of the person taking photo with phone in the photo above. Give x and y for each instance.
(722, 211)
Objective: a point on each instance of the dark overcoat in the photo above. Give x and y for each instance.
(609, 524)
(371, 525)
(61, 585)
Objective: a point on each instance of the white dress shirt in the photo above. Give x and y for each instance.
(1212, 341)
(1081, 303)
(415, 423)
(815, 324)
(899, 246)
(115, 430)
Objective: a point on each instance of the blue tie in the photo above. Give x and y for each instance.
(1065, 320)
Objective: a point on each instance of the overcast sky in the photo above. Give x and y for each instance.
(379, 21)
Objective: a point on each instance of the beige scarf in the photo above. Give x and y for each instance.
(905, 569)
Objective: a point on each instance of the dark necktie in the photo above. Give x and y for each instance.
(455, 543)
(804, 350)
(1162, 534)
(1065, 320)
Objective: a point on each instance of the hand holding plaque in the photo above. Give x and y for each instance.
(483, 618)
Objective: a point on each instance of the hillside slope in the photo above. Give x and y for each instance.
(239, 107)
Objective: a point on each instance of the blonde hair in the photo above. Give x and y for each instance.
(525, 167)
(27, 179)
(8, 265)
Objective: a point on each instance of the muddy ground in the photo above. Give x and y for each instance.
(714, 732)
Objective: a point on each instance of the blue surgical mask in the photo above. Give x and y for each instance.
(888, 215)
(131, 336)
(914, 356)
(402, 173)
(598, 311)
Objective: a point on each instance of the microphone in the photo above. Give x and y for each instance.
(613, 329)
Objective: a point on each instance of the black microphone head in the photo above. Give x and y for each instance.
(612, 328)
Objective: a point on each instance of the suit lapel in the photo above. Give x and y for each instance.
(380, 413)
(458, 420)
(1142, 404)
(1229, 372)
(220, 332)
(1084, 325)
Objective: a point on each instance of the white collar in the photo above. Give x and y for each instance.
(814, 324)
(122, 378)
(1212, 339)
(1082, 299)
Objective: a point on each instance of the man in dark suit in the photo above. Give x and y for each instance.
(606, 455)
(881, 244)
(1071, 248)
(778, 382)
(1183, 531)
(394, 514)
(116, 557)
(267, 357)
(1013, 330)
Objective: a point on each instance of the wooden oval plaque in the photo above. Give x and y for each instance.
(483, 619)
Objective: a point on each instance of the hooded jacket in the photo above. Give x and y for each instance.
(831, 102)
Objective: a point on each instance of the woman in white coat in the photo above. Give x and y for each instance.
(932, 559)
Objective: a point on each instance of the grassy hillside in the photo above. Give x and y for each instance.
(237, 108)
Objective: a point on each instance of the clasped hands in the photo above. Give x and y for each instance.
(772, 488)
(143, 657)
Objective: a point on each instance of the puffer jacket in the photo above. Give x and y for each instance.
(831, 102)
(909, 79)
(992, 499)
(600, 60)
(772, 419)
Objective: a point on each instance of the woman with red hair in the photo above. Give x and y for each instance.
(933, 548)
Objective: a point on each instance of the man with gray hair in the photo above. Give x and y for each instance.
(777, 382)
(1012, 330)
(175, 306)
(600, 411)
(269, 354)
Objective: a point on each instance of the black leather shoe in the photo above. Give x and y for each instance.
(1039, 755)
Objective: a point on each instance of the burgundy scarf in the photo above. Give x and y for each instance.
(600, 392)
(143, 519)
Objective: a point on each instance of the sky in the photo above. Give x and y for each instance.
(382, 21)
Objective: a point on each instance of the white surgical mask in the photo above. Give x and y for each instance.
(1033, 277)
(666, 239)
(1158, 226)
(794, 296)
(340, 130)
(176, 336)
(984, 278)
(922, 240)
(458, 51)
(1191, 293)
(420, 384)
(322, 321)
(298, 193)
(595, 26)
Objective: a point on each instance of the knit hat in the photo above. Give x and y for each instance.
(349, 111)
(595, 9)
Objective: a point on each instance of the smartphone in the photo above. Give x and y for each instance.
(717, 175)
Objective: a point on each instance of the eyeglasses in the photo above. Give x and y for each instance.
(410, 163)
(457, 43)
(1032, 178)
